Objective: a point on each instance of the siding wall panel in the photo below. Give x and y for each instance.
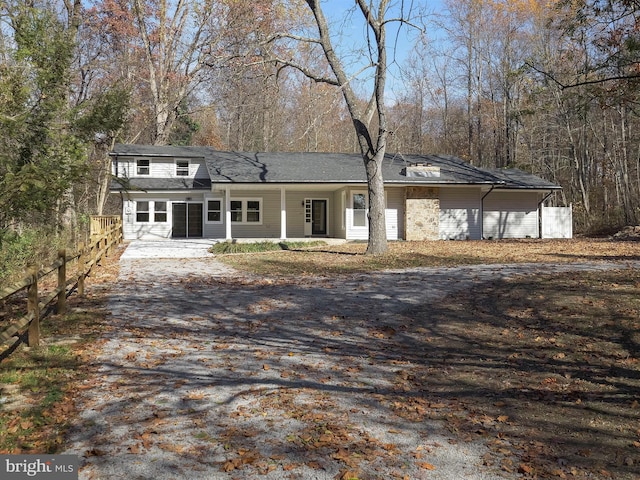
(511, 215)
(460, 214)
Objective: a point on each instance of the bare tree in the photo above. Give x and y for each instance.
(174, 36)
(371, 133)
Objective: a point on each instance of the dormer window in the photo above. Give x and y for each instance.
(182, 168)
(143, 166)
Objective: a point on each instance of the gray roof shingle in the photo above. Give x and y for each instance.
(150, 184)
(290, 168)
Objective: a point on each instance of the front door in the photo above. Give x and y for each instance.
(318, 217)
(187, 220)
(315, 216)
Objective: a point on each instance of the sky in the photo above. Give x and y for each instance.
(400, 38)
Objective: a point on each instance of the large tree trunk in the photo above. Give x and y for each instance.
(372, 147)
(377, 224)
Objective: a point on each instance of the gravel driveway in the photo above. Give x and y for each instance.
(211, 374)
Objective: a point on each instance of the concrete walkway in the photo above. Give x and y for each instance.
(193, 247)
(187, 248)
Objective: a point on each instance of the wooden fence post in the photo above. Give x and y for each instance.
(103, 241)
(109, 238)
(61, 306)
(82, 263)
(34, 308)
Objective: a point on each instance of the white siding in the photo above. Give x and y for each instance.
(159, 167)
(511, 215)
(163, 168)
(460, 217)
(153, 230)
(338, 226)
(356, 232)
(394, 214)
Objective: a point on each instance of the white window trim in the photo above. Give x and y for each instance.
(151, 211)
(175, 164)
(244, 210)
(206, 210)
(165, 211)
(366, 210)
(343, 208)
(138, 174)
(136, 211)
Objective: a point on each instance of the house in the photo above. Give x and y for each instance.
(188, 192)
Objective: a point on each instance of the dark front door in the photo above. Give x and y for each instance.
(187, 220)
(319, 217)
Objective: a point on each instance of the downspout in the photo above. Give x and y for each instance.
(545, 198)
(540, 212)
(482, 211)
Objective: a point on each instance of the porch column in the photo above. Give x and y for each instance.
(227, 213)
(283, 214)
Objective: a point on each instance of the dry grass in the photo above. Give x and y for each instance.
(544, 368)
(547, 369)
(350, 258)
(38, 385)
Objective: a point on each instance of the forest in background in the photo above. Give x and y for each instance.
(550, 87)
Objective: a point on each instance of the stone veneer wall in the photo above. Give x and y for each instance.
(422, 213)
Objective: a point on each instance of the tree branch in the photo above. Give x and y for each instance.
(597, 81)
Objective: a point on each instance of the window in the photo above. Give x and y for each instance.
(359, 210)
(236, 211)
(143, 166)
(246, 210)
(142, 211)
(182, 168)
(253, 211)
(214, 211)
(160, 212)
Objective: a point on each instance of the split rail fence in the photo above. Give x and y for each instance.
(105, 234)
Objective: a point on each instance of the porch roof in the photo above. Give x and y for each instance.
(164, 184)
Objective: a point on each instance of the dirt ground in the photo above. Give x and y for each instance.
(434, 373)
(472, 372)
(545, 368)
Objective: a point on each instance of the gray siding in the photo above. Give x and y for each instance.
(270, 225)
(295, 214)
(339, 213)
(511, 215)
(460, 214)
